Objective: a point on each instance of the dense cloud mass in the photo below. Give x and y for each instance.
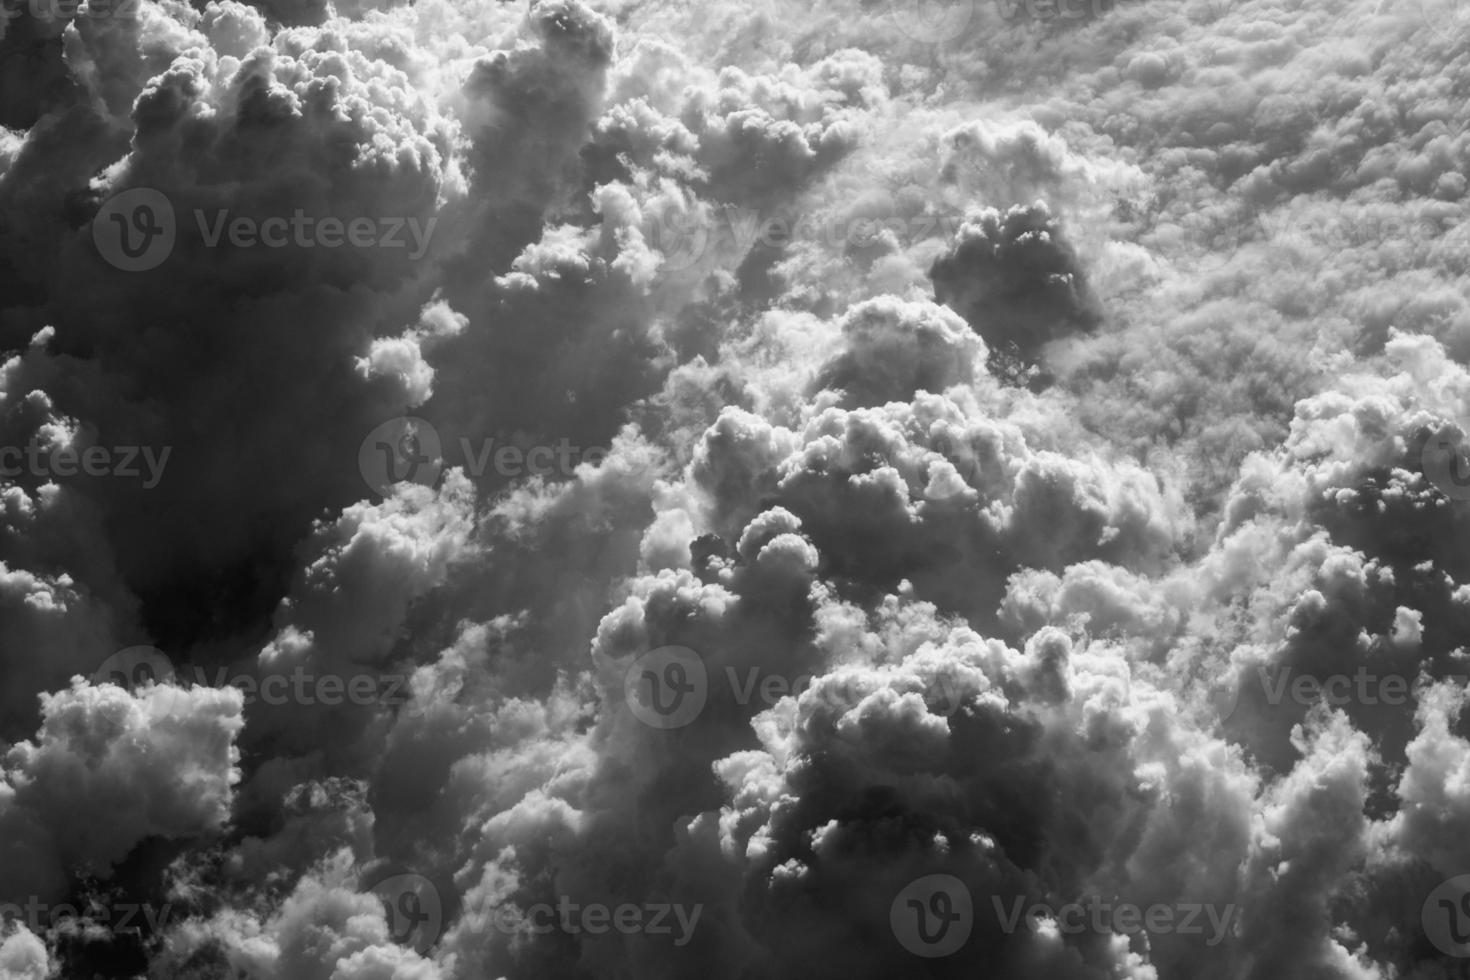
(600, 489)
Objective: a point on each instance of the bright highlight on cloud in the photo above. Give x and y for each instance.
(957, 489)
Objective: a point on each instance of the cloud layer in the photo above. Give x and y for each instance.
(647, 489)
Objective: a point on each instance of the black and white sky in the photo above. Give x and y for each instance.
(615, 490)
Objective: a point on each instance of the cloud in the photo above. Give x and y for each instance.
(984, 433)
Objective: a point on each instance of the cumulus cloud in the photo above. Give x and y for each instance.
(647, 489)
